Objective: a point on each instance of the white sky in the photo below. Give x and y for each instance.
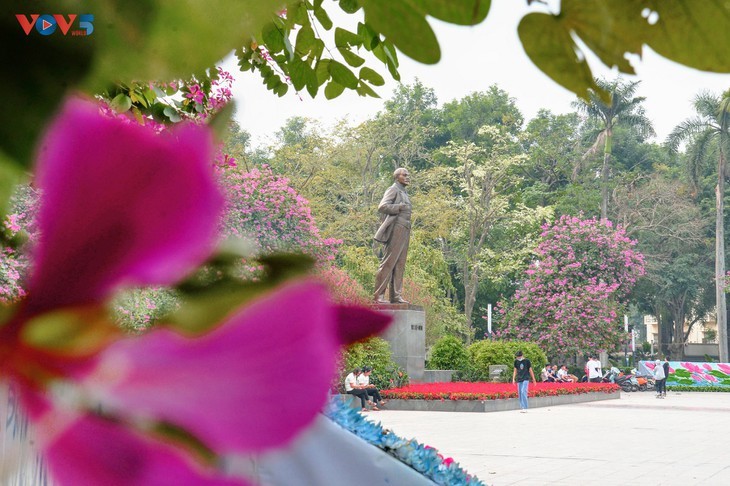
(474, 58)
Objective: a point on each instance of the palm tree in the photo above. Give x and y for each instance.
(709, 133)
(624, 109)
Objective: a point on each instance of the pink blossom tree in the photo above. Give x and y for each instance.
(571, 299)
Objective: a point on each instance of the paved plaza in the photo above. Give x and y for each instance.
(637, 440)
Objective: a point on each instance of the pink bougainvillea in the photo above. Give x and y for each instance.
(266, 210)
(571, 298)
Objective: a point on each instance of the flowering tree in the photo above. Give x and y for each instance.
(571, 298)
(263, 208)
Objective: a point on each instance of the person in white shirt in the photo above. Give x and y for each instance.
(594, 370)
(359, 391)
(364, 380)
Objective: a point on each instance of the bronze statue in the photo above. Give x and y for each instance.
(394, 233)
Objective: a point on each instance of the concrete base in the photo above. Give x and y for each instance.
(437, 376)
(495, 405)
(407, 337)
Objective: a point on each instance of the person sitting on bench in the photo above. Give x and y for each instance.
(372, 390)
(352, 388)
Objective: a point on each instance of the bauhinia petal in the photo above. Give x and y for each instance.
(357, 323)
(251, 383)
(121, 205)
(92, 451)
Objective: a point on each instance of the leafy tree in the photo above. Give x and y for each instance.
(622, 109)
(480, 177)
(571, 297)
(551, 143)
(671, 232)
(465, 117)
(709, 133)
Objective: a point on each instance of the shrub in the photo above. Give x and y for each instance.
(375, 353)
(448, 353)
(484, 353)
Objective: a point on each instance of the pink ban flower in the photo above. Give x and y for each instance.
(122, 206)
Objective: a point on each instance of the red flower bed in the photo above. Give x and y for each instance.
(492, 391)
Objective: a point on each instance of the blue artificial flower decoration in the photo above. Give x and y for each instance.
(423, 459)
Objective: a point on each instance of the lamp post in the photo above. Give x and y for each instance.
(489, 320)
(626, 342)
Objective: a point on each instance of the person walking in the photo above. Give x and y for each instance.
(521, 375)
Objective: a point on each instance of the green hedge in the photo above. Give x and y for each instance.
(375, 353)
(448, 353)
(482, 354)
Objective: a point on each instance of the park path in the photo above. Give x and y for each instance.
(637, 440)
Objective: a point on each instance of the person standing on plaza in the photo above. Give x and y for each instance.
(395, 234)
(594, 369)
(659, 378)
(521, 375)
(665, 365)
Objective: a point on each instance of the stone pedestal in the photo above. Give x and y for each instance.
(407, 337)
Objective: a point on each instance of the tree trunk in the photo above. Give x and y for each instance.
(471, 279)
(721, 310)
(604, 174)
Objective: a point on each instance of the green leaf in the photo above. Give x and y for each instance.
(220, 121)
(121, 103)
(351, 58)
(298, 73)
(333, 90)
(10, 176)
(323, 18)
(344, 38)
(323, 71)
(206, 304)
(682, 373)
(350, 6)
(79, 331)
(368, 37)
(39, 71)
(372, 76)
(549, 45)
(306, 41)
(365, 90)
(170, 39)
(696, 34)
(273, 38)
(405, 25)
(342, 75)
(718, 374)
(171, 114)
(465, 12)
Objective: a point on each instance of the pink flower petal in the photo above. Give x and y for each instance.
(252, 383)
(121, 205)
(358, 323)
(93, 451)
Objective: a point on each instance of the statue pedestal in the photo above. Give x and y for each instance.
(407, 337)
